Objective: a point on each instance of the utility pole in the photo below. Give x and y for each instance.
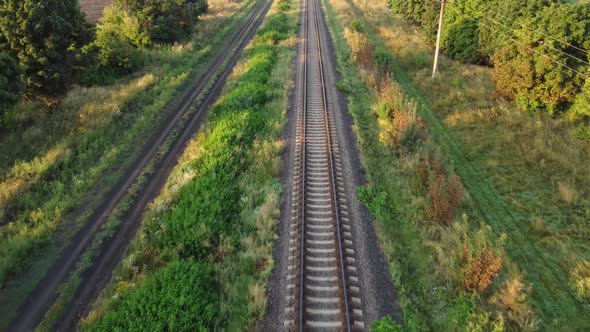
(440, 22)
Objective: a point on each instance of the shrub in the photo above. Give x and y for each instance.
(284, 5)
(246, 96)
(385, 324)
(444, 193)
(480, 259)
(356, 26)
(180, 297)
(273, 31)
(122, 23)
(580, 278)
(115, 48)
(11, 84)
(462, 42)
(363, 53)
(278, 23)
(117, 54)
(580, 110)
(583, 132)
(260, 66)
(398, 122)
(164, 21)
(206, 207)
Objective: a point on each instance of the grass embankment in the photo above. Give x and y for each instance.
(524, 175)
(203, 255)
(56, 161)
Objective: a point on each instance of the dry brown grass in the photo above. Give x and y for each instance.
(512, 300)
(479, 270)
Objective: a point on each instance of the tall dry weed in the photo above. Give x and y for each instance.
(512, 300)
(480, 260)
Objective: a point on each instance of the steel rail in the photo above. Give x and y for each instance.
(332, 178)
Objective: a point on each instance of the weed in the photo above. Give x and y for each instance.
(512, 300)
(480, 259)
(356, 26)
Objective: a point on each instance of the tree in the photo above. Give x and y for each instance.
(45, 36)
(11, 83)
(542, 67)
(164, 21)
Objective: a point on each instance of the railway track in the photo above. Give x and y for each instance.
(195, 102)
(322, 274)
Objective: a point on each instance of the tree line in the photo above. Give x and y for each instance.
(538, 48)
(46, 46)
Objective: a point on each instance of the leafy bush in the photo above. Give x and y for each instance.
(444, 193)
(164, 21)
(206, 207)
(277, 23)
(180, 297)
(356, 26)
(581, 108)
(583, 132)
(385, 324)
(247, 96)
(11, 83)
(399, 125)
(273, 31)
(115, 20)
(284, 5)
(480, 259)
(260, 65)
(462, 42)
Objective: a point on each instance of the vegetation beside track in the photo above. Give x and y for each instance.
(403, 143)
(217, 213)
(71, 157)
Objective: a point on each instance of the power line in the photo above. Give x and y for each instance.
(539, 53)
(544, 44)
(545, 35)
(509, 39)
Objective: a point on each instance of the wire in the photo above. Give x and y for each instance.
(544, 44)
(545, 35)
(509, 38)
(524, 45)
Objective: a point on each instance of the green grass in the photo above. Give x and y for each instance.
(220, 205)
(516, 168)
(82, 149)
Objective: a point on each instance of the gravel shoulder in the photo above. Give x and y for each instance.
(378, 294)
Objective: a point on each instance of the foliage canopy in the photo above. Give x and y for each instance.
(46, 37)
(11, 83)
